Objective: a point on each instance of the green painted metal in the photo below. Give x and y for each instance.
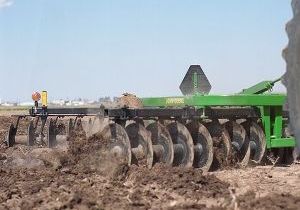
(272, 120)
(270, 106)
(266, 121)
(216, 100)
(278, 122)
(283, 142)
(261, 87)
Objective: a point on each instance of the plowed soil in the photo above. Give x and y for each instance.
(82, 175)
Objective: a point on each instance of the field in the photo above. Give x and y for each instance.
(78, 175)
(7, 111)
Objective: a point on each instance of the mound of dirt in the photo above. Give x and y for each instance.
(176, 187)
(274, 201)
(130, 100)
(43, 189)
(188, 182)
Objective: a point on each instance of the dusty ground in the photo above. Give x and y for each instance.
(82, 176)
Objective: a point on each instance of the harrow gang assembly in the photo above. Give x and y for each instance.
(187, 131)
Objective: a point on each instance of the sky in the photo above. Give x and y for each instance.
(95, 48)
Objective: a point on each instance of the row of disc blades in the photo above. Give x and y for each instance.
(208, 145)
(193, 144)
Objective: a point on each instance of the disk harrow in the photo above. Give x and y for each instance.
(146, 136)
(199, 130)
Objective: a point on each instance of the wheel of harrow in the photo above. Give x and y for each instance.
(221, 142)
(11, 136)
(203, 145)
(257, 140)
(141, 145)
(162, 143)
(51, 134)
(118, 142)
(31, 134)
(183, 145)
(239, 141)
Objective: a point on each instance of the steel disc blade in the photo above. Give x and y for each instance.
(221, 142)
(183, 145)
(78, 125)
(70, 127)
(239, 141)
(161, 138)
(31, 134)
(257, 140)
(119, 144)
(203, 145)
(51, 134)
(140, 141)
(11, 136)
(258, 136)
(96, 126)
(88, 126)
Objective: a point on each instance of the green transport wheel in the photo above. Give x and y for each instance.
(239, 142)
(118, 142)
(183, 145)
(162, 143)
(257, 140)
(221, 142)
(203, 145)
(141, 145)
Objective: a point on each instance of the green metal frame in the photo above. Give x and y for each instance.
(270, 106)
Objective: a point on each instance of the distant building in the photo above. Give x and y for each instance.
(9, 104)
(92, 102)
(60, 102)
(116, 99)
(104, 99)
(78, 103)
(26, 104)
